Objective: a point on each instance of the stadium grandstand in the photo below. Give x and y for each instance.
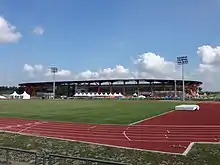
(147, 87)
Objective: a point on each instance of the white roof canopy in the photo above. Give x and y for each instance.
(25, 95)
(14, 94)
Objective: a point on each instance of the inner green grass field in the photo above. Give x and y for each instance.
(85, 111)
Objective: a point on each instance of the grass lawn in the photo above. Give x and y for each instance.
(85, 111)
(201, 154)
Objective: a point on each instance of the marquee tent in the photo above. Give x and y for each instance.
(25, 96)
(14, 95)
(120, 95)
(2, 97)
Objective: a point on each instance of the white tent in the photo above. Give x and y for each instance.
(115, 94)
(101, 94)
(96, 94)
(135, 95)
(76, 94)
(93, 94)
(25, 96)
(120, 94)
(110, 94)
(106, 94)
(80, 94)
(142, 96)
(14, 95)
(84, 94)
(88, 94)
(2, 97)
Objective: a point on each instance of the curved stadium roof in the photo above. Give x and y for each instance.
(109, 80)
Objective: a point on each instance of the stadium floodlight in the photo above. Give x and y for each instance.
(182, 60)
(175, 89)
(54, 70)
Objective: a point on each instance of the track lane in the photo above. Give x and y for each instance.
(172, 132)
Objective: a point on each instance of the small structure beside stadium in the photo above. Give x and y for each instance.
(2, 97)
(105, 95)
(24, 96)
(14, 95)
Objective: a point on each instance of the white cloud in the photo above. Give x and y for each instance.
(148, 65)
(38, 67)
(8, 32)
(38, 30)
(33, 70)
(88, 75)
(28, 68)
(39, 72)
(60, 73)
(155, 66)
(208, 69)
(107, 73)
(209, 55)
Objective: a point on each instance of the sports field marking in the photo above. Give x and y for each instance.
(14, 126)
(90, 128)
(161, 114)
(31, 126)
(190, 146)
(124, 133)
(118, 146)
(181, 126)
(85, 142)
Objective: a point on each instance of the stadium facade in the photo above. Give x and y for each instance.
(153, 87)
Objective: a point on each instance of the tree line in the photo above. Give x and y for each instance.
(9, 90)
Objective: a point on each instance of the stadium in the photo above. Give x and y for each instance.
(147, 87)
(129, 127)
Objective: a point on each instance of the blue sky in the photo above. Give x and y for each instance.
(84, 35)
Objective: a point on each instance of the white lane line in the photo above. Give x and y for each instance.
(124, 133)
(90, 128)
(178, 126)
(31, 126)
(140, 121)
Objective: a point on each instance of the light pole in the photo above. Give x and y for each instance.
(175, 89)
(182, 60)
(54, 70)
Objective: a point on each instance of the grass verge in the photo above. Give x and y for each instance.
(201, 154)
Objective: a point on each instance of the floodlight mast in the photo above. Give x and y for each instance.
(54, 70)
(175, 89)
(182, 60)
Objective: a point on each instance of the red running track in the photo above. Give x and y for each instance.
(172, 132)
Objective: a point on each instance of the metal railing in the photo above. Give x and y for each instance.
(12, 156)
(67, 160)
